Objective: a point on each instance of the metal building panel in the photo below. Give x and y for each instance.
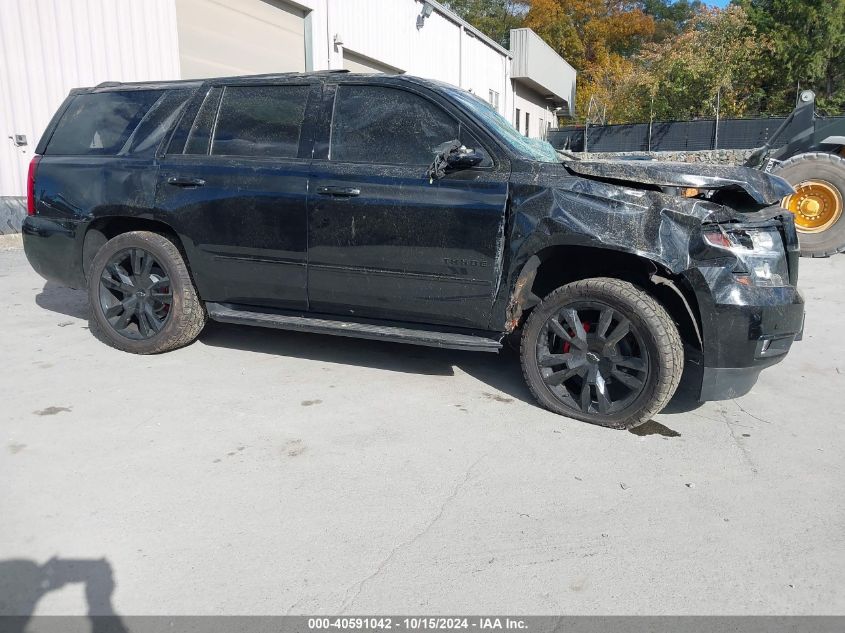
(440, 46)
(239, 37)
(540, 110)
(355, 63)
(483, 70)
(537, 65)
(386, 31)
(48, 47)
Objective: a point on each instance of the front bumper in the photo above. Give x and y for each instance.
(745, 330)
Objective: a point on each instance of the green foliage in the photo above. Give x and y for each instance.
(668, 59)
(494, 18)
(808, 38)
(714, 61)
(671, 18)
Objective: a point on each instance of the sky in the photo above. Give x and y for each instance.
(719, 3)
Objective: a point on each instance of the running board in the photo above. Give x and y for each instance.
(227, 313)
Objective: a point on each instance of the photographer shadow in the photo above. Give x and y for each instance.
(24, 582)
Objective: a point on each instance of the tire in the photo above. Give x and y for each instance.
(158, 300)
(828, 169)
(651, 353)
(12, 213)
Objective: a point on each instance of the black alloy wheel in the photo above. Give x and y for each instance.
(603, 351)
(141, 294)
(136, 295)
(593, 358)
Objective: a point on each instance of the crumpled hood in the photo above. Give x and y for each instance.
(764, 188)
(553, 204)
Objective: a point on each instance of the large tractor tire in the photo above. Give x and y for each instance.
(819, 181)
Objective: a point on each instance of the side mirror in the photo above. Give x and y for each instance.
(464, 158)
(451, 156)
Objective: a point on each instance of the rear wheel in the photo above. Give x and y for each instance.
(602, 351)
(818, 202)
(142, 296)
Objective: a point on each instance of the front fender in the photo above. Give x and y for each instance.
(662, 229)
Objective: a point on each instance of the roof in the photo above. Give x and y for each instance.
(192, 83)
(342, 75)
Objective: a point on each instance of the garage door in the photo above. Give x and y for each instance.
(355, 63)
(239, 37)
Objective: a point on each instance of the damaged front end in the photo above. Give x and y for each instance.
(686, 213)
(716, 235)
(721, 180)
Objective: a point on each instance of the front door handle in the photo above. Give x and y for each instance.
(179, 181)
(339, 192)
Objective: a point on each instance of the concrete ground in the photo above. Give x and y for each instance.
(266, 472)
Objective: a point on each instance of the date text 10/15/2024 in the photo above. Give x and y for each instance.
(416, 623)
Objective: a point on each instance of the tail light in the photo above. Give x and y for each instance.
(30, 185)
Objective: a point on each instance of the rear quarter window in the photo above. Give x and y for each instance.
(260, 121)
(115, 123)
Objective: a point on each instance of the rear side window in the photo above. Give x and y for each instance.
(102, 123)
(377, 124)
(157, 122)
(200, 132)
(260, 121)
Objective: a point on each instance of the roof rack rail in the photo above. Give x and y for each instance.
(108, 84)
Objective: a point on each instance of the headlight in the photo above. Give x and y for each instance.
(761, 260)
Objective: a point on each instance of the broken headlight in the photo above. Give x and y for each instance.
(761, 260)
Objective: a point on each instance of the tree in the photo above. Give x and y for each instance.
(717, 57)
(598, 37)
(672, 59)
(671, 18)
(808, 47)
(494, 18)
(618, 88)
(588, 32)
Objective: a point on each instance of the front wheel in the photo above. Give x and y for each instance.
(603, 351)
(142, 296)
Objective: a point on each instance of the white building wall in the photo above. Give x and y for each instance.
(386, 31)
(484, 69)
(267, 36)
(537, 65)
(317, 44)
(48, 47)
(526, 100)
(361, 25)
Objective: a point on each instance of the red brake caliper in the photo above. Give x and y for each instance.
(566, 344)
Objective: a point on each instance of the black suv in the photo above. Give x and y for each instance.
(402, 209)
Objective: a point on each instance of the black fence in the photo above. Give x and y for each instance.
(673, 136)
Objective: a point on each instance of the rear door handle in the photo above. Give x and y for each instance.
(179, 181)
(339, 192)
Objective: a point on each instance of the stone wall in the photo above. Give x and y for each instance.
(715, 156)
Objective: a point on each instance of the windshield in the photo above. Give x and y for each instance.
(528, 148)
